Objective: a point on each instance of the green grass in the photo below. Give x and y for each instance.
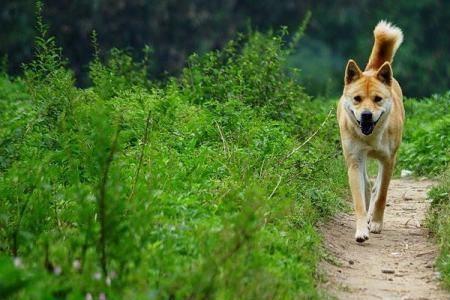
(200, 187)
(194, 188)
(439, 223)
(425, 148)
(426, 152)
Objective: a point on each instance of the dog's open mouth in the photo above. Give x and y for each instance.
(367, 127)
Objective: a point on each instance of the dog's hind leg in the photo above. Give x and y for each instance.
(367, 188)
(379, 203)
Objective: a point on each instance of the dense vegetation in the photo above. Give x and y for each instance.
(174, 29)
(439, 223)
(207, 186)
(426, 152)
(425, 148)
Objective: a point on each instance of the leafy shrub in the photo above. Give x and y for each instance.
(202, 187)
(119, 73)
(15, 112)
(250, 72)
(439, 223)
(425, 149)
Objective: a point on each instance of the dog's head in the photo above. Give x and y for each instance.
(367, 96)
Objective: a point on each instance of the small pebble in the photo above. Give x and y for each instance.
(76, 264)
(405, 173)
(387, 271)
(57, 270)
(97, 276)
(351, 262)
(18, 262)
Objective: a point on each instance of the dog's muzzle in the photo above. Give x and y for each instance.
(366, 123)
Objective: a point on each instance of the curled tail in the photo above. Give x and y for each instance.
(387, 40)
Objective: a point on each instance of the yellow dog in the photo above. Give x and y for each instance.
(371, 115)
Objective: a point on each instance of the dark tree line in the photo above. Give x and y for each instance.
(175, 28)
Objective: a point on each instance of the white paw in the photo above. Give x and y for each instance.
(362, 234)
(375, 227)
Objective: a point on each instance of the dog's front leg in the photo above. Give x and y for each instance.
(356, 176)
(379, 202)
(375, 189)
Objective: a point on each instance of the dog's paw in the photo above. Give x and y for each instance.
(362, 234)
(375, 227)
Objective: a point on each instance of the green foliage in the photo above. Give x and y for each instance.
(15, 111)
(12, 278)
(198, 188)
(119, 73)
(425, 149)
(49, 83)
(439, 223)
(253, 77)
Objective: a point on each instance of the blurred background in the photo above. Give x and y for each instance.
(174, 29)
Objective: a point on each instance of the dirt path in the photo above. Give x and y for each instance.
(396, 264)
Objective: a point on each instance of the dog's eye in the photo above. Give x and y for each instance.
(378, 98)
(357, 98)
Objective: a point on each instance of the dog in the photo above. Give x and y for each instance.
(370, 114)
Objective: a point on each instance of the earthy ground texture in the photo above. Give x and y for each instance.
(396, 264)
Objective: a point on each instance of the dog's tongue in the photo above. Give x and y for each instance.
(367, 128)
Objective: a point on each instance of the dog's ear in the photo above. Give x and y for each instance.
(352, 72)
(384, 73)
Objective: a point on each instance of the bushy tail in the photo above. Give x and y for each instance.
(387, 40)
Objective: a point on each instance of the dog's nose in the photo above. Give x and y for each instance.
(366, 116)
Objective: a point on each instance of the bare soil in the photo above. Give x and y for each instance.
(396, 264)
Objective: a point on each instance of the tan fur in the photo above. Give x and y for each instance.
(387, 40)
(383, 142)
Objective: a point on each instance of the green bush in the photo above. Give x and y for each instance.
(15, 112)
(439, 223)
(197, 188)
(425, 148)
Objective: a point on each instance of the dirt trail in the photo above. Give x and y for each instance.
(396, 264)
